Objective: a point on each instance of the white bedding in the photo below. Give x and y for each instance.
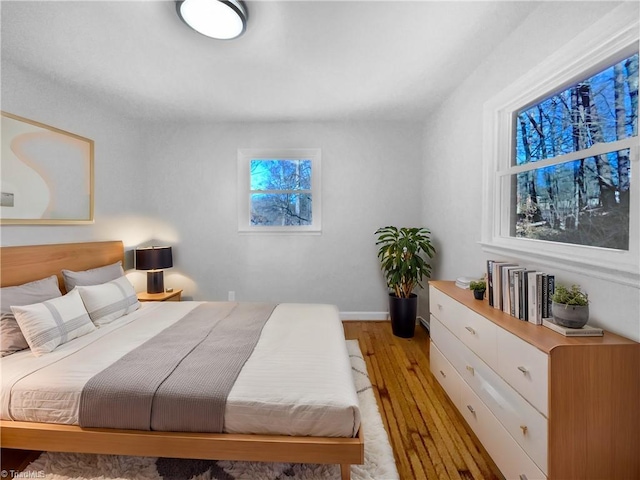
(298, 380)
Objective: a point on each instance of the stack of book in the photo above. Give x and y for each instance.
(463, 282)
(586, 331)
(520, 292)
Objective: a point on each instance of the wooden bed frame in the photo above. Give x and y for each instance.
(27, 263)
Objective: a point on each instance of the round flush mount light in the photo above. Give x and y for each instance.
(221, 19)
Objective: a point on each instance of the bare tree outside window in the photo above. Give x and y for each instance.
(571, 179)
(281, 192)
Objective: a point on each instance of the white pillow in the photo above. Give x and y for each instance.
(49, 324)
(110, 300)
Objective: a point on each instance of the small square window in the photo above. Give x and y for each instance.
(279, 191)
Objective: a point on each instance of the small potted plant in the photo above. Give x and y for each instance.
(403, 254)
(570, 306)
(478, 287)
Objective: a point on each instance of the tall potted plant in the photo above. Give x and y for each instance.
(402, 253)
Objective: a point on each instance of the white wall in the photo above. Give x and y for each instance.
(119, 180)
(452, 193)
(176, 184)
(370, 178)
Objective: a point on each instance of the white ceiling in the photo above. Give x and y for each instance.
(307, 60)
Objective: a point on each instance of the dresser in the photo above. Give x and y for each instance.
(543, 405)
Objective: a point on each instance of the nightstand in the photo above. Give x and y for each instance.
(174, 296)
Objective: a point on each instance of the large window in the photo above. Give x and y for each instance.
(561, 157)
(571, 163)
(279, 191)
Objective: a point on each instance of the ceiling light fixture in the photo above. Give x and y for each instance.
(221, 19)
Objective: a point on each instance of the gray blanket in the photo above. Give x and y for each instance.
(180, 379)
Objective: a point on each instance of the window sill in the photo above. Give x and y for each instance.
(605, 264)
(279, 232)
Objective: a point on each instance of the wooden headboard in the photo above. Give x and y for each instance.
(28, 263)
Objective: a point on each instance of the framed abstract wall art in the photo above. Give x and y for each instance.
(46, 174)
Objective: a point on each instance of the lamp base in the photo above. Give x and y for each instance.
(155, 281)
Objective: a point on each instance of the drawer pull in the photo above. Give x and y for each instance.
(471, 370)
(524, 429)
(443, 374)
(471, 409)
(523, 370)
(523, 477)
(439, 306)
(470, 330)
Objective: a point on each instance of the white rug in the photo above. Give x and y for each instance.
(378, 464)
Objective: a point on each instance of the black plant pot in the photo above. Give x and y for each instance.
(478, 294)
(403, 313)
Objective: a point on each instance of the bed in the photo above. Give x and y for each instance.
(326, 431)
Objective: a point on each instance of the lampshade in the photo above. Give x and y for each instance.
(153, 258)
(221, 19)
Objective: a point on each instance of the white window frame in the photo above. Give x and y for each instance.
(588, 53)
(245, 155)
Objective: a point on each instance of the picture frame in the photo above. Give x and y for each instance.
(47, 174)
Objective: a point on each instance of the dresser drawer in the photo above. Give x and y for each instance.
(446, 374)
(475, 331)
(525, 368)
(512, 410)
(525, 424)
(479, 334)
(512, 460)
(446, 309)
(448, 344)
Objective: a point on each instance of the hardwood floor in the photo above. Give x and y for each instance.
(428, 435)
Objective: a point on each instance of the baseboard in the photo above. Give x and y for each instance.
(364, 316)
(375, 317)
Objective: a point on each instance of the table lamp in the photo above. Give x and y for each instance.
(154, 259)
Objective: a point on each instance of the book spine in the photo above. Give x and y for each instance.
(532, 294)
(502, 284)
(551, 279)
(584, 333)
(496, 285)
(507, 293)
(545, 296)
(512, 294)
(515, 305)
(524, 284)
(503, 272)
(490, 282)
(539, 279)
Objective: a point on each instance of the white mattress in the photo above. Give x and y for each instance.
(298, 380)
